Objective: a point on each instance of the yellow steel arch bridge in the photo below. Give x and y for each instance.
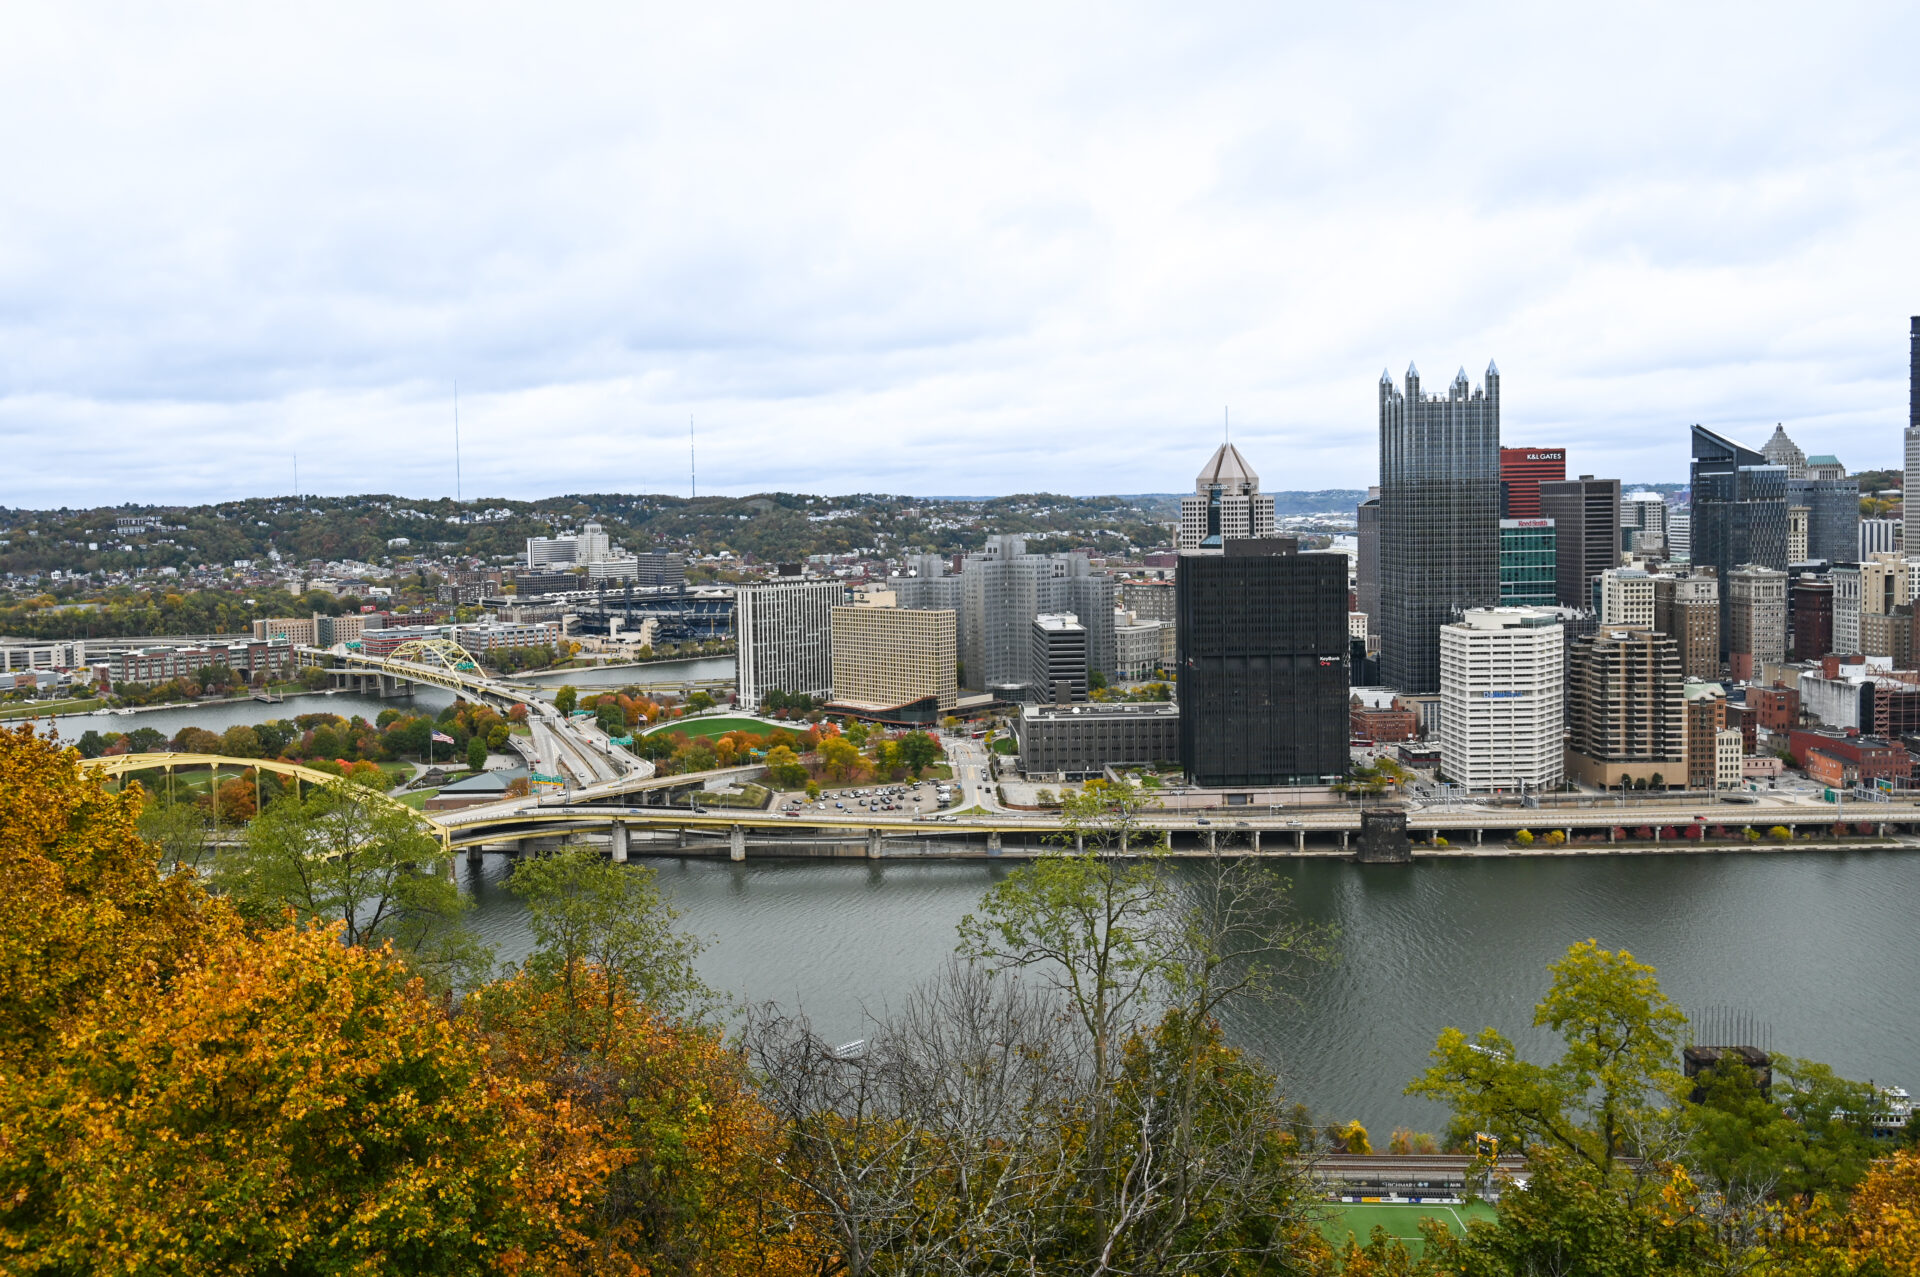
(438, 662)
(121, 765)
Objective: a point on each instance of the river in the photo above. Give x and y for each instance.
(655, 673)
(1819, 946)
(219, 717)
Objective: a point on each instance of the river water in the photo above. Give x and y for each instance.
(1819, 946)
(218, 717)
(656, 673)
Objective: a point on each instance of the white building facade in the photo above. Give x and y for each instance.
(1502, 699)
(784, 631)
(1626, 597)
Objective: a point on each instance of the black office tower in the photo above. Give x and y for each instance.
(1739, 514)
(1439, 519)
(1910, 516)
(1262, 668)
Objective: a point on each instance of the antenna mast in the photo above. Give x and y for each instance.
(456, 441)
(1226, 426)
(296, 472)
(693, 485)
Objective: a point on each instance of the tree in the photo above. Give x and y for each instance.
(566, 698)
(178, 832)
(587, 912)
(342, 854)
(1091, 928)
(919, 751)
(224, 1123)
(700, 701)
(839, 756)
(82, 902)
(1884, 1216)
(476, 754)
(609, 717)
(785, 767)
(1606, 1094)
(1813, 1136)
(241, 741)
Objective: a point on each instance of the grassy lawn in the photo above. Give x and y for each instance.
(1005, 745)
(711, 727)
(417, 799)
(1346, 1219)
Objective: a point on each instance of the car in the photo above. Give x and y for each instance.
(1201, 820)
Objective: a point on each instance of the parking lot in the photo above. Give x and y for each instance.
(922, 800)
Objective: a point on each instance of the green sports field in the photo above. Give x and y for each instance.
(711, 727)
(1401, 1221)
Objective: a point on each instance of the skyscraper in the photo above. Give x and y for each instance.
(784, 631)
(1059, 656)
(1626, 719)
(1910, 510)
(1501, 690)
(1522, 471)
(1262, 669)
(1366, 564)
(1527, 563)
(1439, 518)
(1687, 610)
(1586, 515)
(1244, 512)
(1001, 589)
(1739, 512)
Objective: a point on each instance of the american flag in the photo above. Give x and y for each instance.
(443, 738)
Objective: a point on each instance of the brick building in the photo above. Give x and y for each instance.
(1869, 757)
(1775, 708)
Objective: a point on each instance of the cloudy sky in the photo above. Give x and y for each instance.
(995, 248)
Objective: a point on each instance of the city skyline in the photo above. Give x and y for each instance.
(916, 252)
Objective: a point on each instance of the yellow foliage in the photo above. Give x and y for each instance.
(1885, 1215)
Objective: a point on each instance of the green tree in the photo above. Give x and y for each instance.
(918, 751)
(341, 853)
(178, 832)
(566, 698)
(588, 913)
(839, 756)
(785, 767)
(1093, 927)
(1609, 1091)
(1814, 1135)
(609, 717)
(476, 754)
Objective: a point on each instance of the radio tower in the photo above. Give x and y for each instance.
(693, 486)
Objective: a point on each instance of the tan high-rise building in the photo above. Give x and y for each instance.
(1886, 582)
(887, 661)
(1687, 610)
(1626, 715)
(1757, 613)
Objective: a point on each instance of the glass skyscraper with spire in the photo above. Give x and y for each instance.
(1439, 518)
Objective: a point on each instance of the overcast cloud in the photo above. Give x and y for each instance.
(987, 249)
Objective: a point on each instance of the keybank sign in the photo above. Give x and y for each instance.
(1503, 696)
